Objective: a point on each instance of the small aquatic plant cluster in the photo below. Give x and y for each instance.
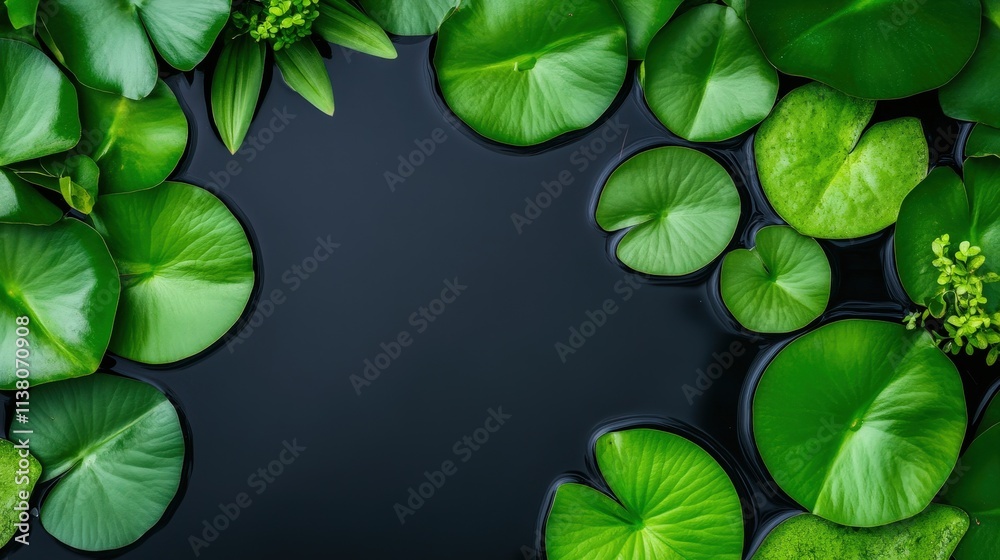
(960, 302)
(279, 22)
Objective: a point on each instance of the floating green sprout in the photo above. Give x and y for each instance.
(960, 302)
(280, 22)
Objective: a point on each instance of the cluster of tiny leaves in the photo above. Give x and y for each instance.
(960, 303)
(279, 22)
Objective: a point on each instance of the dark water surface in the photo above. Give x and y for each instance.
(489, 353)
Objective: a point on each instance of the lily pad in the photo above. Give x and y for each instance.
(780, 285)
(21, 204)
(116, 447)
(671, 499)
(38, 105)
(705, 78)
(984, 141)
(186, 269)
(412, 17)
(974, 95)
(976, 491)
(942, 204)
(523, 72)
(860, 421)
(15, 486)
(136, 144)
(643, 19)
(63, 280)
(825, 174)
(104, 43)
(680, 206)
(877, 50)
(932, 535)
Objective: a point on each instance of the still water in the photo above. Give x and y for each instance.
(409, 331)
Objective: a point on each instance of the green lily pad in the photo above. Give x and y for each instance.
(236, 84)
(974, 95)
(339, 22)
(412, 17)
(186, 268)
(780, 285)
(63, 280)
(932, 535)
(523, 72)
(21, 204)
(671, 499)
(116, 447)
(643, 18)
(38, 105)
(104, 43)
(15, 487)
(136, 144)
(825, 174)
(860, 421)
(680, 206)
(984, 141)
(942, 204)
(705, 78)
(976, 491)
(883, 49)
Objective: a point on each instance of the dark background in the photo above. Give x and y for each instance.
(289, 379)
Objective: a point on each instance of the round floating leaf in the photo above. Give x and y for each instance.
(976, 491)
(21, 204)
(643, 18)
(186, 268)
(932, 535)
(16, 479)
(339, 22)
(681, 208)
(984, 141)
(38, 105)
(117, 445)
(705, 78)
(412, 17)
(882, 49)
(105, 44)
(974, 95)
(236, 83)
(671, 500)
(63, 280)
(825, 174)
(940, 205)
(136, 144)
(780, 285)
(303, 70)
(522, 72)
(860, 421)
